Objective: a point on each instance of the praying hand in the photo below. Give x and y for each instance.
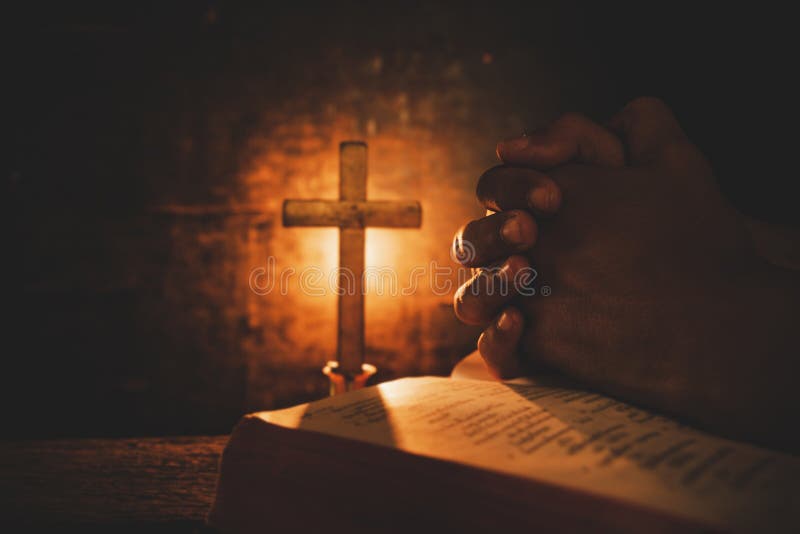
(658, 295)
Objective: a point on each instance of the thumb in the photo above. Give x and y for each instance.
(499, 343)
(571, 138)
(648, 127)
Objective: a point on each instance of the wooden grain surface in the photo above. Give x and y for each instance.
(166, 484)
(352, 214)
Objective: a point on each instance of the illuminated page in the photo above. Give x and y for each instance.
(569, 437)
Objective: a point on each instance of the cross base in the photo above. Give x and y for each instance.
(342, 381)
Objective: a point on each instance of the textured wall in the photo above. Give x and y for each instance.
(153, 150)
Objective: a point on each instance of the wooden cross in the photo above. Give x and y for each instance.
(352, 213)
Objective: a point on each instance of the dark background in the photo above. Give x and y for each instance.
(99, 100)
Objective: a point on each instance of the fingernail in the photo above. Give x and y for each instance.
(512, 231)
(540, 199)
(512, 145)
(505, 323)
(547, 199)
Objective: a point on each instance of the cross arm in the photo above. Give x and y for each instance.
(389, 213)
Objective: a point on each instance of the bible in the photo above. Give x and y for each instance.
(473, 455)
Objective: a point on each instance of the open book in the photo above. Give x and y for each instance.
(475, 455)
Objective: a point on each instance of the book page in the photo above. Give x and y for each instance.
(472, 367)
(569, 437)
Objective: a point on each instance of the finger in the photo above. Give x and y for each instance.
(497, 236)
(505, 188)
(647, 126)
(571, 138)
(483, 296)
(498, 344)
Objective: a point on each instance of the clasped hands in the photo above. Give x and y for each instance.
(651, 272)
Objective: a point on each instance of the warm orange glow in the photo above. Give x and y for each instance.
(404, 163)
(384, 247)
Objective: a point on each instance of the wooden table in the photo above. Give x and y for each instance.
(162, 484)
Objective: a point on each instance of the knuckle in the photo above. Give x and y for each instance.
(483, 344)
(462, 250)
(528, 226)
(471, 228)
(487, 181)
(465, 308)
(458, 304)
